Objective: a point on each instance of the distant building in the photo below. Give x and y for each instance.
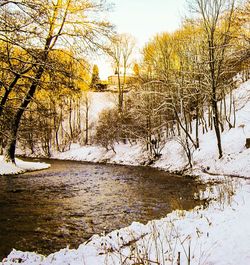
(113, 80)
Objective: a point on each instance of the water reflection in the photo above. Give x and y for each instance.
(66, 204)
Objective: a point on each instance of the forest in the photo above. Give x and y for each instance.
(179, 83)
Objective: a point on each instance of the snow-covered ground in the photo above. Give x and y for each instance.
(218, 234)
(235, 161)
(20, 166)
(100, 101)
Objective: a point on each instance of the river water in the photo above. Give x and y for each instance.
(47, 210)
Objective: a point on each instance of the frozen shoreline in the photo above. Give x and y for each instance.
(20, 167)
(218, 234)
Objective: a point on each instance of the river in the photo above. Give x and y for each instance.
(47, 210)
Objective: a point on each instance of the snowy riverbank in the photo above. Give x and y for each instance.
(235, 161)
(218, 234)
(20, 166)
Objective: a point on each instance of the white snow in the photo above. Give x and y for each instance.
(235, 161)
(126, 155)
(218, 234)
(100, 101)
(20, 166)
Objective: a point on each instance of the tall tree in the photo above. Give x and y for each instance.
(120, 50)
(95, 79)
(38, 27)
(217, 17)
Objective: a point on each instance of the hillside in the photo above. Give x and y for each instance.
(218, 234)
(235, 161)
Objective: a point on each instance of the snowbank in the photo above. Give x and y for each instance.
(218, 234)
(124, 154)
(235, 161)
(20, 167)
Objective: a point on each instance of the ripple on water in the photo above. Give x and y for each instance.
(69, 202)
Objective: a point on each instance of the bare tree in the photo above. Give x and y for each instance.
(36, 29)
(217, 17)
(120, 50)
(86, 109)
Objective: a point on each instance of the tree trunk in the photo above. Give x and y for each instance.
(214, 96)
(216, 127)
(185, 129)
(7, 92)
(120, 100)
(197, 126)
(57, 128)
(11, 144)
(188, 151)
(70, 119)
(87, 125)
(9, 155)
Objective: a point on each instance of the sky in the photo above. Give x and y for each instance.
(143, 19)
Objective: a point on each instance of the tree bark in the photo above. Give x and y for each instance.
(11, 144)
(7, 92)
(87, 124)
(214, 95)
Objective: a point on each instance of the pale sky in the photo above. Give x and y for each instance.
(143, 19)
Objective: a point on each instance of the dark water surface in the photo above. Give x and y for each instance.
(47, 210)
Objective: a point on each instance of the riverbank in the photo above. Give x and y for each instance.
(235, 160)
(20, 167)
(218, 234)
